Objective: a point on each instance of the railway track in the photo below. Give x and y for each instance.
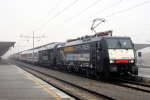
(123, 83)
(92, 91)
(77, 92)
(132, 85)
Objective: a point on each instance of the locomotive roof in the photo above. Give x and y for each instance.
(52, 45)
(88, 40)
(49, 46)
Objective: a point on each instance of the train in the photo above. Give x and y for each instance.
(100, 55)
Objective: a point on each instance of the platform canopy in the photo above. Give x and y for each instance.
(4, 47)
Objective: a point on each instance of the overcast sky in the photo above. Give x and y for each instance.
(59, 20)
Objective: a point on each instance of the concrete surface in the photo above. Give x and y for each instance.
(17, 84)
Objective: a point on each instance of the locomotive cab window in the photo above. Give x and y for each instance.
(98, 45)
(119, 43)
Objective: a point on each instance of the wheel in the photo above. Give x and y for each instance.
(87, 72)
(70, 70)
(64, 68)
(135, 72)
(99, 75)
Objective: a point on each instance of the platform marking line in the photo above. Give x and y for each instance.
(41, 85)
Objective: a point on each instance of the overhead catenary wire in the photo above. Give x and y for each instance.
(136, 30)
(128, 8)
(65, 32)
(75, 15)
(110, 15)
(57, 15)
(135, 35)
(132, 27)
(82, 12)
(49, 12)
(83, 19)
(45, 16)
(119, 11)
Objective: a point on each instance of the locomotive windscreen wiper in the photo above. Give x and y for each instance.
(118, 44)
(125, 48)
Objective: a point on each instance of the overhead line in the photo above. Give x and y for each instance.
(45, 16)
(116, 13)
(88, 24)
(75, 15)
(128, 8)
(57, 14)
(133, 27)
(66, 32)
(85, 18)
(48, 13)
(136, 30)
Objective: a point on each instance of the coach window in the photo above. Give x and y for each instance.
(29, 55)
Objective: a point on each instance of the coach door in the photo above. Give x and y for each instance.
(40, 56)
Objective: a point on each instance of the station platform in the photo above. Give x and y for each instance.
(17, 84)
(144, 72)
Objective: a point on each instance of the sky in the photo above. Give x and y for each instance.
(59, 20)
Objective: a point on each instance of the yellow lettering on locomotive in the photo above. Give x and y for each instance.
(68, 49)
(81, 58)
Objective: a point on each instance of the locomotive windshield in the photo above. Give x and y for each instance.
(119, 43)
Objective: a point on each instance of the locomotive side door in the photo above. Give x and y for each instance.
(100, 56)
(93, 54)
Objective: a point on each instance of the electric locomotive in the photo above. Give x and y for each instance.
(99, 55)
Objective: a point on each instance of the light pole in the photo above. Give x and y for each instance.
(33, 43)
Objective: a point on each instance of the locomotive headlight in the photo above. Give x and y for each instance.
(112, 61)
(131, 61)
